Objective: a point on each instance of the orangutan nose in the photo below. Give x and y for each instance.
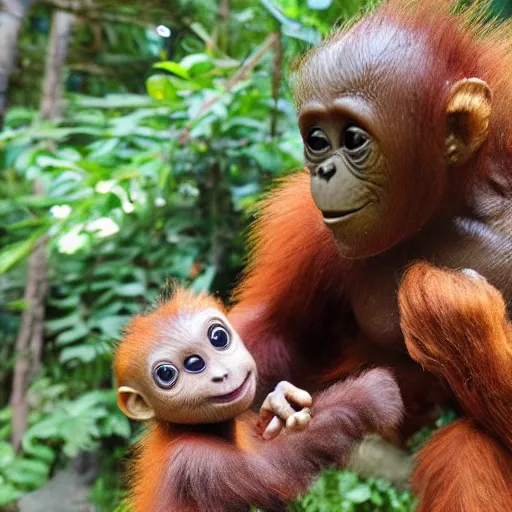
(326, 171)
(220, 375)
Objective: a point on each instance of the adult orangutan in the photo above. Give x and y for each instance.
(406, 125)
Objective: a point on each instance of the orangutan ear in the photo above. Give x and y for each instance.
(468, 113)
(133, 404)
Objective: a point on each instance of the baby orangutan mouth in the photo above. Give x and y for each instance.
(233, 395)
(335, 216)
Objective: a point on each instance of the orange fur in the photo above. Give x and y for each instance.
(140, 333)
(293, 307)
(462, 469)
(224, 466)
(288, 215)
(153, 454)
(456, 326)
(460, 45)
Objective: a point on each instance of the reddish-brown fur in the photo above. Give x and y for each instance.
(226, 467)
(208, 471)
(140, 332)
(456, 327)
(293, 306)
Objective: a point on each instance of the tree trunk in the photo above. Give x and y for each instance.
(29, 344)
(55, 60)
(11, 17)
(223, 15)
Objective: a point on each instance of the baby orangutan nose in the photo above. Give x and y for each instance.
(220, 376)
(327, 170)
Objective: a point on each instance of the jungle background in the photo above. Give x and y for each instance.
(136, 140)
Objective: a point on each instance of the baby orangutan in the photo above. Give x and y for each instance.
(184, 368)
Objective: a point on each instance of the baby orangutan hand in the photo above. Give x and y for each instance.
(277, 411)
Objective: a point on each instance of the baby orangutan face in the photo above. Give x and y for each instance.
(195, 368)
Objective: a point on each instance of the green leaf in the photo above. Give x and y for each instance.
(82, 353)
(203, 282)
(174, 68)
(44, 161)
(319, 5)
(38, 451)
(359, 494)
(27, 472)
(17, 305)
(160, 87)
(131, 289)
(63, 323)
(197, 63)
(14, 253)
(117, 425)
(78, 332)
(7, 454)
(111, 325)
(8, 493)
(72, 301)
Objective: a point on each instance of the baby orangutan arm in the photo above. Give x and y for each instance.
(277, 412)
(216, 476)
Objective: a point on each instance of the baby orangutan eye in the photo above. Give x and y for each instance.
(218, 336)
(354, 138)
(194, 364)
(317, 141)
(165, 375)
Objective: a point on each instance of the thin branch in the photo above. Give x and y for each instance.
(277, 73)
(249, 64)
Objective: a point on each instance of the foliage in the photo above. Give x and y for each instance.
(140, 187)
(345, 492)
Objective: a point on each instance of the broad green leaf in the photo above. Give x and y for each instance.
(72, 301)
(174, 68)
(319, 5)
(111, 325)
(78, 332)
(117, 425)
(8, 493)
(203, 282)
(7, 454)
(62, 323)
(359, 494)
(131, 289)
(161, 87)
(197, 63)
(17, 305)
(37, 450)
(44, 161)
(29, 472)
(83, 353)
(14, 253)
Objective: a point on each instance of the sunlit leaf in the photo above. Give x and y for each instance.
(8, 493)
(319, 5)
(15, 253)
(174, 68)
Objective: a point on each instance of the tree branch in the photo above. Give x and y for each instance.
(249, 64)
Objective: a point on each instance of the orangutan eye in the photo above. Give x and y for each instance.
(317, 141)
(194, 364)
(165, 375)
(218, 336)
(354, 138)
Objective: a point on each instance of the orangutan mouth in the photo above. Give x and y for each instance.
(331, 217)
(233, 395)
